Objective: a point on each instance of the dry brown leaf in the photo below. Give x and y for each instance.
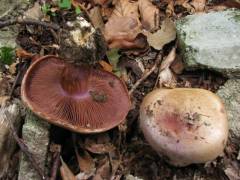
(199, 5)
(106, 66)
(166, 34)
(21, 53)
(34, 13)
(103, 171)
(150, 15)
(5, 86)
(85, 162)
(99, 144)
(177, 66)
(12, 68)
(4, 100)
(166, 77)
(232, 173)
(100, 2)
(100, 148)
(66, 173)
(96, 18)
(123, 25)
(170, 8)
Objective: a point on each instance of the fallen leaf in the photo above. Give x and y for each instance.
(170, 8)
(186, 4)
(82, 176)
(137, 67)
(166, 34)
(96, 18)
(150, 15)
(166, 77)
(4, 100)
(106, 66)
(21, 53)
(5, 86)
(34, 13)
(66, 173)
(123, 26)
(100, 2)
(99, 144)
(85, 162)
(199, 5)
(103, 171)
(232, 173)
(12, 68)
(177, 66)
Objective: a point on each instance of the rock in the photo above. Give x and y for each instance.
(230, 94)
(7, 142)
(36, 136)
(7, 38)
(10, 9)
(131, 177)
(211, 41)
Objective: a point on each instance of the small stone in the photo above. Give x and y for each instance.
(131, 177)
(7, 38)
(35, 134)
(211, 41)
(230, 94)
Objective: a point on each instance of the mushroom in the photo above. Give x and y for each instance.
(79, 98)
(184, 125)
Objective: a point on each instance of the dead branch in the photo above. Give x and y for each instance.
(25, 150)
(147, 73)
(56, 163)
(28, 22)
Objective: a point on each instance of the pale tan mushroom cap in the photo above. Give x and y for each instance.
(184, 125)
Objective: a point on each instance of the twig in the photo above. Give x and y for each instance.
(28, 22)
(146, 74)
(56, 163)
(26, 151)
(17, 78)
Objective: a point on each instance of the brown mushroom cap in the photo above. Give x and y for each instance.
(80, 98)
(184, 125)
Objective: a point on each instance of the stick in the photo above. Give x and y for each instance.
(28, 22)
(26, 151)
(56, 163)
(17, 78)
(146, 74)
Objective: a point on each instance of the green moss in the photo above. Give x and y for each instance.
(7, 55)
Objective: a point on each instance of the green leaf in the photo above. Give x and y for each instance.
(78, 10)
(7, 55)
(46, 8)
(113, 58)
(64, 4)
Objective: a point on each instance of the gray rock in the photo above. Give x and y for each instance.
(230, 94)
(8, 38)
(211, 41)
(35, 134)
(11, 9)
(9, 6)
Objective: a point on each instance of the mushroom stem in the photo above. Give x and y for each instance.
(71, 76)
